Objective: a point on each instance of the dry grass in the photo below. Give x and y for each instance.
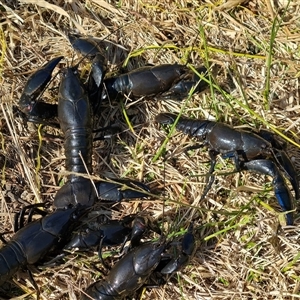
(243, 252)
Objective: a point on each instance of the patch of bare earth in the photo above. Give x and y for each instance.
(244, 250)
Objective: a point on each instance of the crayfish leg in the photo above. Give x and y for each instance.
(19, 219)
(210, 178)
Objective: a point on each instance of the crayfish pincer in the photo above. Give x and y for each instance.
(243, 147)
(134, 270)
(281, 190)
(32, 242)
(36, 83)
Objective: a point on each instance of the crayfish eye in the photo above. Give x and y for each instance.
(266, 147)
(27, 108)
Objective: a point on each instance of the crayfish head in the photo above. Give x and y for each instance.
(26, 103)
(147, 257)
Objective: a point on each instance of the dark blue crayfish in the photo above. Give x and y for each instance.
(135, 269)
(249, 150)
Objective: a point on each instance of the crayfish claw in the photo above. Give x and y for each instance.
(281, 191)
(121, 189)
(36, 84)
